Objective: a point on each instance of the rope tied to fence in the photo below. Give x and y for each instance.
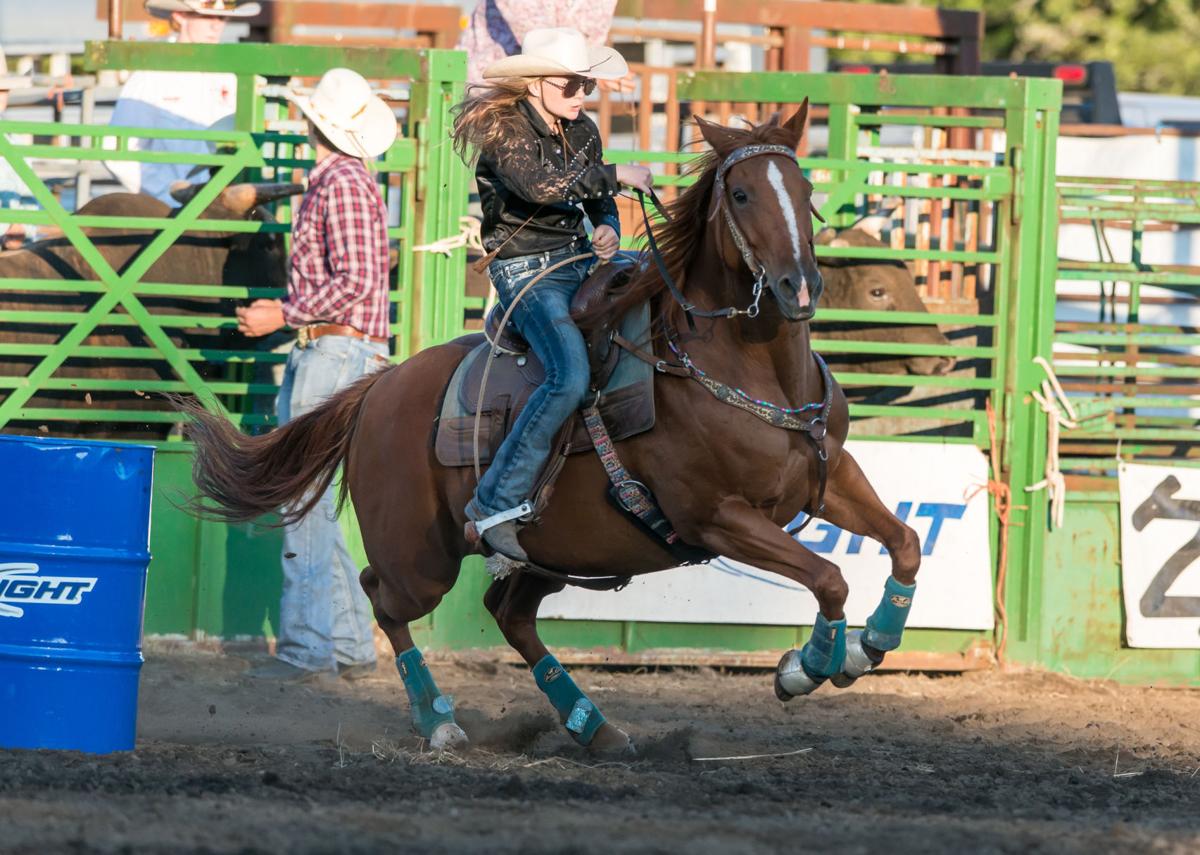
(1001, 494)
(468, 236)
(1059, 413)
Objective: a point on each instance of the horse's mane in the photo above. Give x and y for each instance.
(680, 237)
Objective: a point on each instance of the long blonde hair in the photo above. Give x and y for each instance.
(487, 115)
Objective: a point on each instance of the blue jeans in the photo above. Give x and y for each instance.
(543, 318)
(324, 616)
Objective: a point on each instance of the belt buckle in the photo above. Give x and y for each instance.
(302, 338)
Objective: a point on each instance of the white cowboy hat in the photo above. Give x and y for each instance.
(215, 8)
(355, 120)
(558, 51)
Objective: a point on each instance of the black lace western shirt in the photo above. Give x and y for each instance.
(534, 176)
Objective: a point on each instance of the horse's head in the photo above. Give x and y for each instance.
(762, 204)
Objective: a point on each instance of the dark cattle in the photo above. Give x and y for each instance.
(198, 258)
(876, 286)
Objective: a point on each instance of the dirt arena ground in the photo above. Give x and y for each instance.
(984, 762)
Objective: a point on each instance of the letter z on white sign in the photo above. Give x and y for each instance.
(1160, 555)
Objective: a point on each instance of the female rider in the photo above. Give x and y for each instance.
(538, 159)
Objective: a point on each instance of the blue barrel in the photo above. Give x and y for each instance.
(74, 546)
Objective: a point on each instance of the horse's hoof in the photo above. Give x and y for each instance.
(859, 660)
(611, 740)
(791, 679)
(447, 736)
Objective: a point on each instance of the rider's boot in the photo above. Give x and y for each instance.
(499, 531)
(502, 538)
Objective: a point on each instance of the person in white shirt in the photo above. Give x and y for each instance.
(13, 192)
(177, 100)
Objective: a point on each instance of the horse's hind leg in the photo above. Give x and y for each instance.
(851, 504)
(395, 608)
(513, 602)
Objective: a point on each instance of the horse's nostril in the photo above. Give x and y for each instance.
(945, 364)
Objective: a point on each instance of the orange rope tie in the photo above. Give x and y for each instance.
(1001, 495)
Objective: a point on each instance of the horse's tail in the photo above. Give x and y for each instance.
(286, 470)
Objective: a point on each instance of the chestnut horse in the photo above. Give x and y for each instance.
(727, 480)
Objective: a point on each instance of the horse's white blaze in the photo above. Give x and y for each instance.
(789, 210)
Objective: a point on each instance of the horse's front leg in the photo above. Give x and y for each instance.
(513, 602)
(851, 504)
(741, 532)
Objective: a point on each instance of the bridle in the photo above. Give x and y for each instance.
(719, 203)
(787, 418)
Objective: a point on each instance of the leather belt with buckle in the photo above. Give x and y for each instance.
(306, 335)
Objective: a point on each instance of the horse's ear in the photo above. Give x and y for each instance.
(722, 139)
(796, 124)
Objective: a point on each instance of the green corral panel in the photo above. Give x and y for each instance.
(174, 545)
(1083, 613)
(206, 578)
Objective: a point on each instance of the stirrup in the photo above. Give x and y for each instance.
(525, 509)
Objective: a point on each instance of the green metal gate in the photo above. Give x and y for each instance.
(1135, 389)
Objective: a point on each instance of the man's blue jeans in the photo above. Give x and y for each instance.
(543, 318)
(324, 616)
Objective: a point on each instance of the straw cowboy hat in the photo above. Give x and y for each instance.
(11, 81)
(344, 109)
(556, 51)
(215, 8)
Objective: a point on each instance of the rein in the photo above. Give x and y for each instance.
(786, 418)
(718, 204)
(689, 308)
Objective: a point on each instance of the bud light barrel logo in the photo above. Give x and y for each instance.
(23, 586)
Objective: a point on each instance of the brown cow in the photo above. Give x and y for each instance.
(197, 258)
(880, 286)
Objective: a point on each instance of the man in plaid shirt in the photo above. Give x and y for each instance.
(338, 304)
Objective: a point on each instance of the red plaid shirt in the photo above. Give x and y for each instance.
(339, 265)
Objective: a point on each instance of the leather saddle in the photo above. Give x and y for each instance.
(606, 281)
(626, 384)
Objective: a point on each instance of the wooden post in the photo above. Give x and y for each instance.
(708, 38)
(114, 19)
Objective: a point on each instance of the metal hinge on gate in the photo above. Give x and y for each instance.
(1018, 193)
(420, 132)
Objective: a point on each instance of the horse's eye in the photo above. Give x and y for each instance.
(740, 197)
(877, 293)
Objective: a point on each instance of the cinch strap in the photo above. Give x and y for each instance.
(634, 496)
(577, 713)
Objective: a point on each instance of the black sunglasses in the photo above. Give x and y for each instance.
(569, 88)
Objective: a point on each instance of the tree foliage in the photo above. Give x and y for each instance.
(1151, 43)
